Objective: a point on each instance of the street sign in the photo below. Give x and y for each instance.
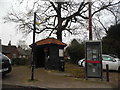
(93, 59)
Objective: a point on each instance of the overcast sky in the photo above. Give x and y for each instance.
(8, 30)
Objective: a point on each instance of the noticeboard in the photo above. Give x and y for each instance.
(93, 59)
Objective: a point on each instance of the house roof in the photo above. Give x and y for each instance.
(8, 49)
(50, 41)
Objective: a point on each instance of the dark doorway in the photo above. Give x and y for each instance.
(40, 57)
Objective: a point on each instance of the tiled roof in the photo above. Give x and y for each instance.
(50, 41)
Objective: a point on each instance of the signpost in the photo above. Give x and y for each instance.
(93, 59)
(33, 48)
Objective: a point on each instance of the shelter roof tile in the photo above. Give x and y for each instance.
(50, 41)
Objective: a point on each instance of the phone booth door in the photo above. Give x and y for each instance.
(93, 60)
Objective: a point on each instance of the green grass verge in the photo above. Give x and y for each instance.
(75, 70)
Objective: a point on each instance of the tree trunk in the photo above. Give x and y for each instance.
(59, 35)
(59, 31)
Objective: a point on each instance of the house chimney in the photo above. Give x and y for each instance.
(9, 44)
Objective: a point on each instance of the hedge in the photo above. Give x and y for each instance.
(19, 61)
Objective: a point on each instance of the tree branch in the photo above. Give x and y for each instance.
(104, 7)
(55, 8)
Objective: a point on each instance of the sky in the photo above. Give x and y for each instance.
(8, 31)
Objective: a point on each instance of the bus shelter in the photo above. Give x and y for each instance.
(49, 53)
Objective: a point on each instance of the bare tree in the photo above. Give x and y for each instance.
(55, 17)
(22, 44)
(115, 11)
(102, 23)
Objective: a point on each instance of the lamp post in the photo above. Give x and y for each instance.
(33, 48)
(90, 20)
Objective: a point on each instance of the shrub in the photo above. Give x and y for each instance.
(75, 51)
(18, 61)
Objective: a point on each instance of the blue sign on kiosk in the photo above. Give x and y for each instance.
(93, 59)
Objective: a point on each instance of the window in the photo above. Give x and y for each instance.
(107, 58)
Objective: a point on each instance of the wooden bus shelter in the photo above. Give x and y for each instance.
(49, 53)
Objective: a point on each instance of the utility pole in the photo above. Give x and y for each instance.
(90, 20)
(33, 48)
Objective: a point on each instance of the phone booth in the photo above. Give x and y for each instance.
(93, 59)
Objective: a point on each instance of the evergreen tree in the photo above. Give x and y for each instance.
(111, 43)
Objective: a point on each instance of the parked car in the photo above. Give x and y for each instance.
(6, 66)
(112, 61)
(80, 62)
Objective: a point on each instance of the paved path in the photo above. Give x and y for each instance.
(21, 75)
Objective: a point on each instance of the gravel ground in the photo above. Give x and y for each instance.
(21, 75)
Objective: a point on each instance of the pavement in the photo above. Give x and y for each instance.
(21, 76)
(12, 87)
